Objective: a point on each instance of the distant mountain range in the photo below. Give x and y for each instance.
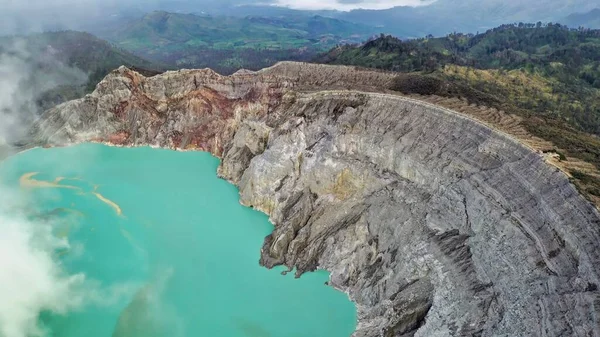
(466, 16)
(179, 31)
(445, 16)
(227, 43)
(589, 19)
(437, 18)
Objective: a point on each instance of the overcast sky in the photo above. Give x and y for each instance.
(346, 5)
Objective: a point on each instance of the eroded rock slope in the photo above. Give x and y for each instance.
(435, 224)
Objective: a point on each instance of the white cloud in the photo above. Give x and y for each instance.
(26, 16)
(348, 5)
(31, 280)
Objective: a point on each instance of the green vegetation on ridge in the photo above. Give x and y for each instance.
(560, 68)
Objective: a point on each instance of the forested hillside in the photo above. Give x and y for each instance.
(548, 75)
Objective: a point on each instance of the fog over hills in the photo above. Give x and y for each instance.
(467, 16)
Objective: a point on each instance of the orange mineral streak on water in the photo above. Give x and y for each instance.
(107, 201)
(27, 180)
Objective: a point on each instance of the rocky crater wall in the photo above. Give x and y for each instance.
(434, 224)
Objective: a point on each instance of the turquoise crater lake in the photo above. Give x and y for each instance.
(170, 248)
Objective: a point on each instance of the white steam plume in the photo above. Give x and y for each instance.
(25, 74)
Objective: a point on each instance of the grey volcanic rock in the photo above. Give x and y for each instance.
(433, 223)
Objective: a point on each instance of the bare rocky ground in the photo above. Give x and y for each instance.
(437, 222)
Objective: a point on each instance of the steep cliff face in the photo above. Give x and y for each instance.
(435, 224)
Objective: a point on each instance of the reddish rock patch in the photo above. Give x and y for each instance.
(119, 138)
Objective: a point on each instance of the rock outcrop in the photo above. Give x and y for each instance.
(433, 223)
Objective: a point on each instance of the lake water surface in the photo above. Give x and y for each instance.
(168, 246)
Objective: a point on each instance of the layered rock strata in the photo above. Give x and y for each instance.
(433, 223)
